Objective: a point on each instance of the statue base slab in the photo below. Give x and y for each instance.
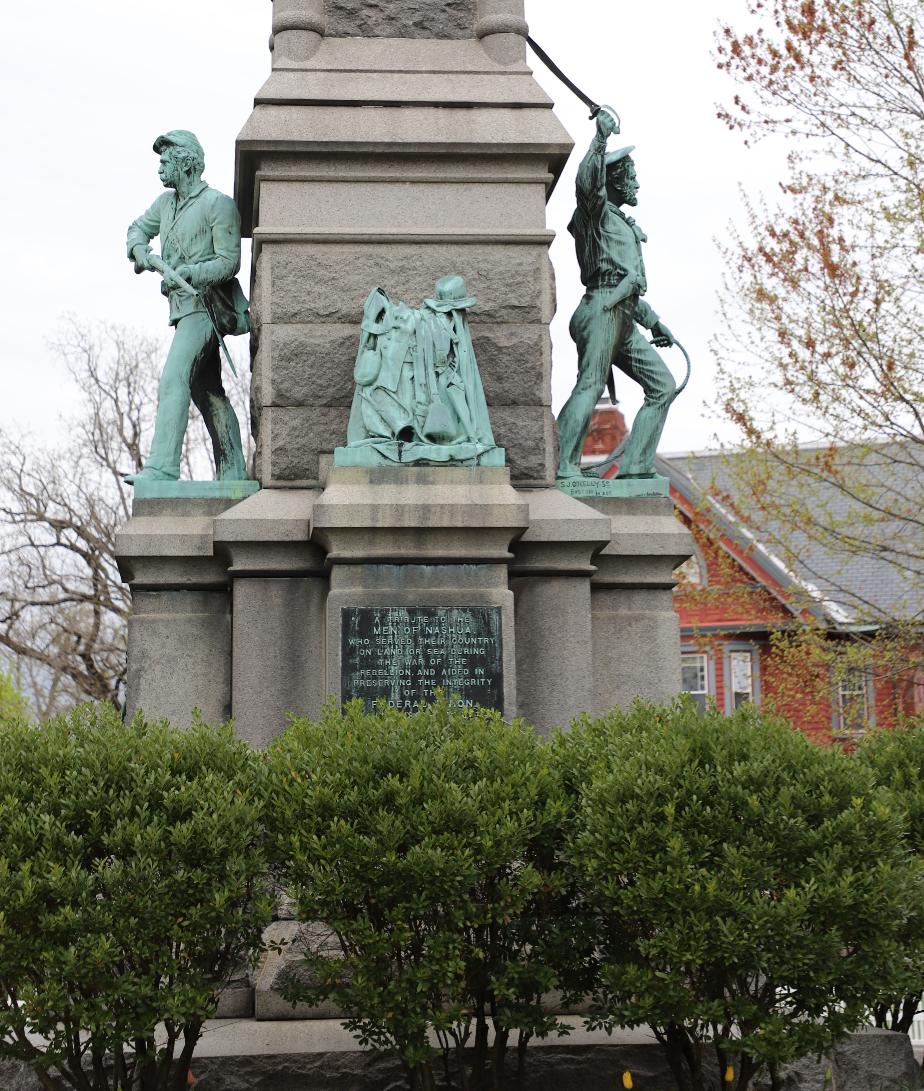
(195, 490)
(392, 453)
(583, 488)
(394, 580)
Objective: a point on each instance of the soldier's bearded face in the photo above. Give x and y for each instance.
(169, 170)
(622, 186)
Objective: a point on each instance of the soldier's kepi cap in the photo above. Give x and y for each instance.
(179, 138)
(623, 153)
(451, 295)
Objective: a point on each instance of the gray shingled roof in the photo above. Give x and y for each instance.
(853, 586)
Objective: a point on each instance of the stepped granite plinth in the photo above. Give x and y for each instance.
(319, 1055)
(526, 600)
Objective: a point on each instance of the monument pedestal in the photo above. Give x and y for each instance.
(419, 595)
(278, 588)
(636, 630)
(395, 144)
(179, 632)
(395, 581)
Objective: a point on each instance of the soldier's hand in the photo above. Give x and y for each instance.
(185, 272)
(661, 336)
(606, 124)
(140, 256)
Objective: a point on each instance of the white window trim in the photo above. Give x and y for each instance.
(740, 646)
(838, 730)
(703, 571)
(689, 649)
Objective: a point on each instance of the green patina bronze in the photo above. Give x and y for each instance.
(589, 487)
(200, 241)
(605, 326)
(418, 396)
(148, 489)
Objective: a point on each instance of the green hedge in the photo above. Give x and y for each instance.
(132, 884)
(747, 886)
(427, 845)
(747, 895)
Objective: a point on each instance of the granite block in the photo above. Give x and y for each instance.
(329, 282)
(515, 361)
(179, 655)
(278, 660)
(313, 365)
(297, 438)
(527, 433)
(401, 19)
(360, 206)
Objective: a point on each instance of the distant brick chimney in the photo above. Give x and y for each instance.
(607, 430)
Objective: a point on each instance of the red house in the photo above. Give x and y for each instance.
(755, 630)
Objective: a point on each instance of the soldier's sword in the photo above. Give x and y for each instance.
(168, 273)
(595, 107)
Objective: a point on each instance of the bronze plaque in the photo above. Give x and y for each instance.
(404, 654)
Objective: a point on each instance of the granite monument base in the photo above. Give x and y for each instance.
(393, 582)
(419, 597)
(636, 630)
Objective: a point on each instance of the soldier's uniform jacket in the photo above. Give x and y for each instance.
(202, 232)
(608, 243)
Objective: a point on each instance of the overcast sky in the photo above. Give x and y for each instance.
(88, 85)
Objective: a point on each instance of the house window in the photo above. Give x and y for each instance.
(694, 675)
(852, 711)
(740, 678)
(690, 573)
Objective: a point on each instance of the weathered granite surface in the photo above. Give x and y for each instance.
(400, 19)
(16, 1077)
(314, 282)
(635, 626)
(875, 1060)
(549, 1068)
(309, 312)
(313, 364)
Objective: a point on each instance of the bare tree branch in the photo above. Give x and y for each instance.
(63, 606)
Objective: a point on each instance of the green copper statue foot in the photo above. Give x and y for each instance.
(147, 474)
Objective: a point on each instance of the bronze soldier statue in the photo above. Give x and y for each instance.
(200, 241)
(605, 324)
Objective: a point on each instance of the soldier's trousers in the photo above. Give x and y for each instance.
(605, 336)
(193, 373)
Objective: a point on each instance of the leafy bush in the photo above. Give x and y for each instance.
(131, 885)
(12, 703)
(425, 844)
(747, 886)
(896, 759)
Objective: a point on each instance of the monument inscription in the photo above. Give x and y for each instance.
(405, 654)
